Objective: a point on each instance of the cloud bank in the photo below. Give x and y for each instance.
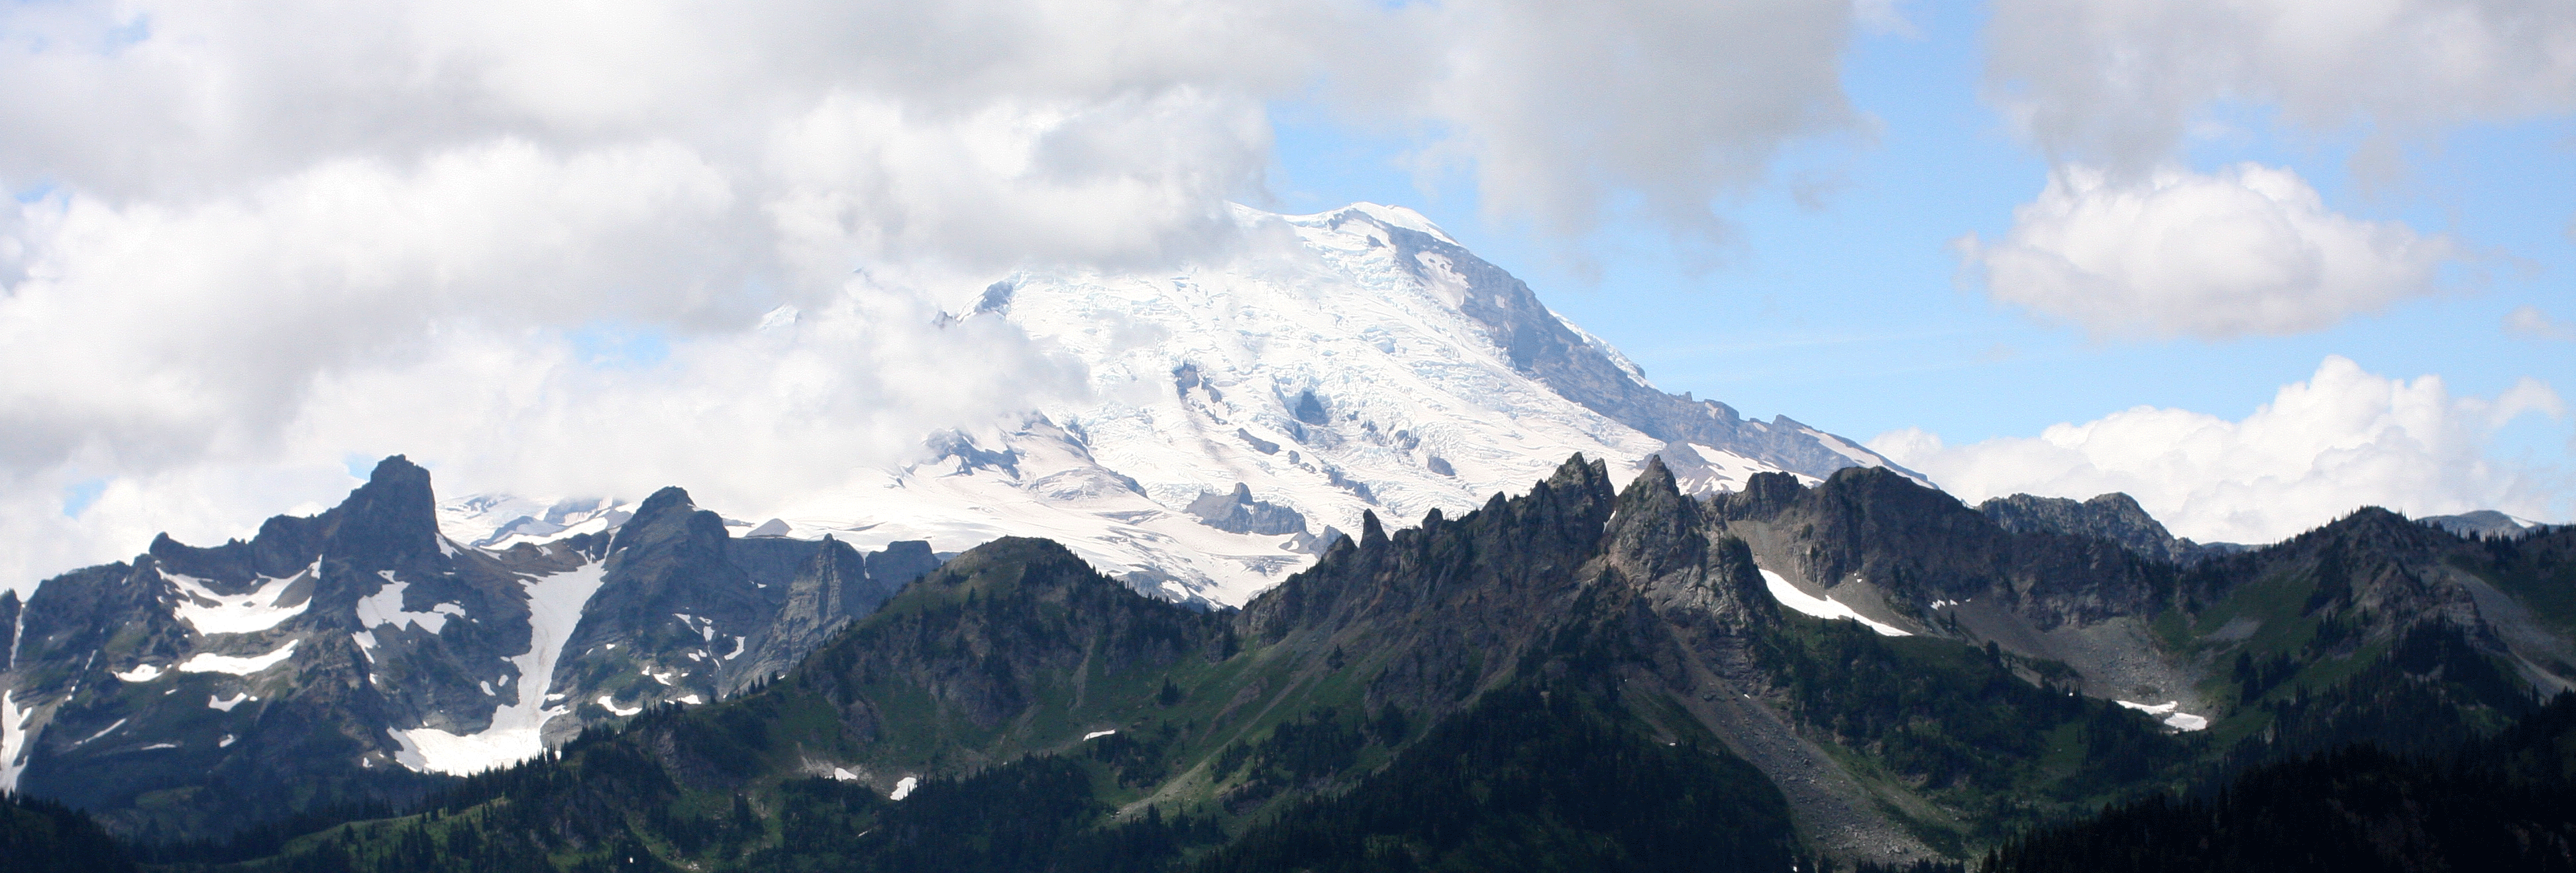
(2124, 82)
(2249, 250)
(250, 245)
(2343, 439)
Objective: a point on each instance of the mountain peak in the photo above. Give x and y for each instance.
(665, 514)
(394, 515)
(1366, 363)
(1380, 214)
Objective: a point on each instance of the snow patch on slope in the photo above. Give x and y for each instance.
(2174, 717)
(208, 662)
(516, 731)
(210, 613)
(385, 607)
(14, 734)
(1821, 607)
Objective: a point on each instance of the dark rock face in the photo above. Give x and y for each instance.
(897, 566)
(193, 691)
(2373, 564)
(984, 635)
(1239, 513)
(2114, 516)
(1919, 546)
(1453, 606)
(171, 694)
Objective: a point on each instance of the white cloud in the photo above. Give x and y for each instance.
(2246, 250)
(1565, 111)
(2123, 82)
(2528, 322)
(2343, 439)
(257, 241)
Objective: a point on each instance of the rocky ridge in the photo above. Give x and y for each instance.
(353, 656)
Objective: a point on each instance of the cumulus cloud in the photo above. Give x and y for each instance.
(1563, 108)
(2123, 82)
(249, 244)
(2344, 438)
(2246, 250)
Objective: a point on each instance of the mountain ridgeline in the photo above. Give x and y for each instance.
(359, 657)
(1578, 677)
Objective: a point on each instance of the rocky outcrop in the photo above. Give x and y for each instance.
(194, 690)
(1237, 512)
(2114, 516)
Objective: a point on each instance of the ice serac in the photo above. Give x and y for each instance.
(1338, 363)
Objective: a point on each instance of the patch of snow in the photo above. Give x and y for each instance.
(1096, 735)
(140, 673)
(610, 703)
(903, 787)
(210, 613)
(366, 641)
(737, 649)
(227, 705)
(487, 688)
(843, 775)
(501, 522)
(160, 746)
(226, 742)
(109, 730)
(385, 607)
(1821, 607)
(2174, 717)
(516, 731)
(13, 740)
(238, 666)
(690, 699)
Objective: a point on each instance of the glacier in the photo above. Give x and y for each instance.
(1352, 361)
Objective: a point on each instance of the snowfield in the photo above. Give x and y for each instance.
(263, 608)
(1821, 607)
(2173, 716)
(207, 662)
(515, 733)
(1349, 361)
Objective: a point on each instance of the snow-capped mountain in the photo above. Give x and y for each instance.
(332, 659)
(1247, 412)
(1351, 361)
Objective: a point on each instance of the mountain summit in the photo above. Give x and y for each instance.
(1346, 362)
